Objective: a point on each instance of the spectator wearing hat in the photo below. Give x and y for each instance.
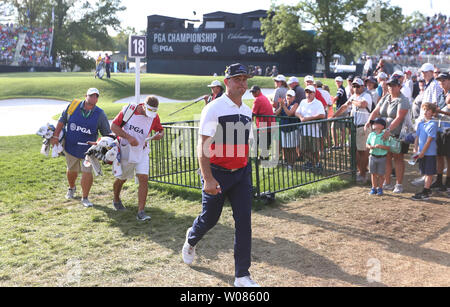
(263, 112)
(226, 171)
(82, 126)
(326, 95)
(281, 89)
(339, 101)
(216, 91)
(379, 149)
(294, 85)
(349, 89)
(382, 89)
(394, 108)
(372, 86)
(360, 104)
(289, 134)
(432, 89)
(311, 109)
(443, 135)
(309, 81)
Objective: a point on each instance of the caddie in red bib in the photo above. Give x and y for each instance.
(133, 126)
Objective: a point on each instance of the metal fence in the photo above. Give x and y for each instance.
(284, 155)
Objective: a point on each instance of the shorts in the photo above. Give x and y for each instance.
(361, 139)
(129, 170)
(427, 166)
(310, 144)
(75, 164)
(289, 139)
(377, 165)
(443, 144)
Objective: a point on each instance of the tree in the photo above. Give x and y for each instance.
(326, 18)
(374, 34)
(6, 10)
(30, 12)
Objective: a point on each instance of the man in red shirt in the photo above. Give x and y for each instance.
(134, 148)
(261, 108)
(108, 66)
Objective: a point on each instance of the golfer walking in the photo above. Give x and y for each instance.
(223, 150)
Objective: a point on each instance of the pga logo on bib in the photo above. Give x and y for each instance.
(74, 127)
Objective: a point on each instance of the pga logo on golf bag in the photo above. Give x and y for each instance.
(74, 127)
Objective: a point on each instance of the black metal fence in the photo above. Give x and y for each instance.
(283, 155)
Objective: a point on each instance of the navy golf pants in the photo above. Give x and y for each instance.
(237, 186)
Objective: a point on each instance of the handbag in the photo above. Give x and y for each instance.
(395, 145)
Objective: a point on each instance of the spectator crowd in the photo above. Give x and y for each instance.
(433, 38)
(35, 50)
(393, 113)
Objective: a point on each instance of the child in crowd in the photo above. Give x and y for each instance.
(426, 149)
(378, 150)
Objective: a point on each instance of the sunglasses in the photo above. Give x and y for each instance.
(356, 86)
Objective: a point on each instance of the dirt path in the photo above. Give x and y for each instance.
(347, 238)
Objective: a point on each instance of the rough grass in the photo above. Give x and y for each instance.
(47, 240)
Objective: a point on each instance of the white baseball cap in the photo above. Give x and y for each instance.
(292, 80)
(281, 78)
(290, 93)
(215, 83)
(383, 76)
(358, 81)
(427, 67)
(339, 79)
(309, 79)
(399, 73)
(92, 91)
(310, 88)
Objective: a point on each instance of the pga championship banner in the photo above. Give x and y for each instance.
(197, 44)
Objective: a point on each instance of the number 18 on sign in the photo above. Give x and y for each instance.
(137, 48)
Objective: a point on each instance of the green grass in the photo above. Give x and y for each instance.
(67, 86)
(43, 233)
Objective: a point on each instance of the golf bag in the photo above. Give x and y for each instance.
(47, 132)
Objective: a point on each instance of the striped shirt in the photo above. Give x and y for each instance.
(432, 92)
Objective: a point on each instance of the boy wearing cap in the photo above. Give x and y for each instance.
(82, 127)
(216, 91)
(426, 149)
(378, 151)
(134, 148)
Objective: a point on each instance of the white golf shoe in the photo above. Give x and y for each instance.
(188, 251)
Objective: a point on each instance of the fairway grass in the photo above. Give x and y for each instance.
(47, 240)
(67, 86)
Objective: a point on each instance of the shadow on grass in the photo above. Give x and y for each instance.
(168, 229)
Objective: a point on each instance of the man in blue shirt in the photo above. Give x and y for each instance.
(82, 127)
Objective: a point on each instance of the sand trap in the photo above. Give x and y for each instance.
(26, 116)
(248, 95)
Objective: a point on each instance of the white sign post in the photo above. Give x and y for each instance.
(137, 48)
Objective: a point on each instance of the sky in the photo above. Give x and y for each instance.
(137, 11)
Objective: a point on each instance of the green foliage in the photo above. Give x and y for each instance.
(374, 34)
(327, 17)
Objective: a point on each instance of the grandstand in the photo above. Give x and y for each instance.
(429, 43)
(24, 46)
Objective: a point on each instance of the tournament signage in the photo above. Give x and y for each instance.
(207, 43)
(137, 48)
